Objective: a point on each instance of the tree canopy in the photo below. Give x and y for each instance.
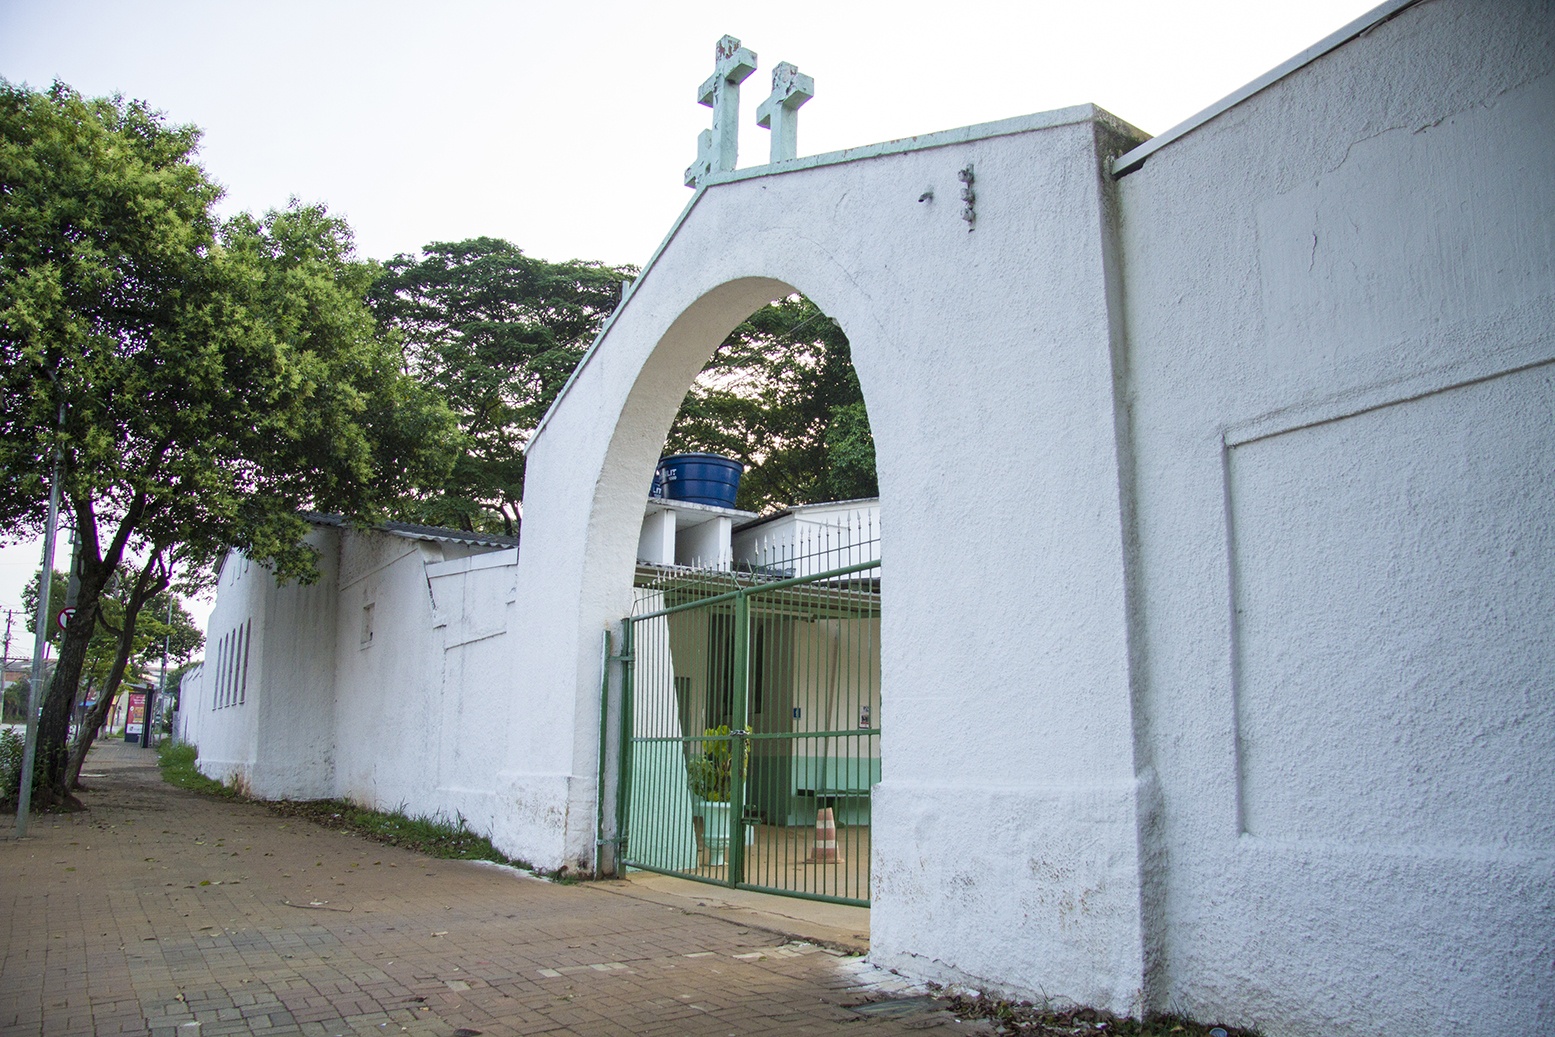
(780, 395)
(202, 381)
(497, 333)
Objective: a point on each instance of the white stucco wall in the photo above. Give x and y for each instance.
(259, 710)
(191, 692)
(388, 673)
(981, 354)
(296, 681)
(1339, 305)
(402, 707)
(474, 611)
(813, 538)
(420, 674)
(225, 733)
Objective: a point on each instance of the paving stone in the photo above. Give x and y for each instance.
(197, 917)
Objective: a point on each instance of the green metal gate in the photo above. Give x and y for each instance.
(750, 734)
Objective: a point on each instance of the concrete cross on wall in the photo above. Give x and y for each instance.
(780, 112)
(718, 148)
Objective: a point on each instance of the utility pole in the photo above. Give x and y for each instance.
(5, 656)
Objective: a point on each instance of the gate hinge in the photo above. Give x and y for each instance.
(623, 658)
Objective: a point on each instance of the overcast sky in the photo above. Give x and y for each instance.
(565, 127)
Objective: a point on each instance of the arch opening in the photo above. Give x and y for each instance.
(752, 700)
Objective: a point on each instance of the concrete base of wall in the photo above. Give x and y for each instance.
(1029, 892)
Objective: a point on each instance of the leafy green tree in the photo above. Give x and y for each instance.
(202, 382)
(175, 628)
(781, 396)
(14, 709)
(497, 333)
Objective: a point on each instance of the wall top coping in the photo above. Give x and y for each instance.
(413, 531)
(1128, 163)
(1070, 116)
(822, 509)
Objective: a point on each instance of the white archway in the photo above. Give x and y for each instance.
(992, 407)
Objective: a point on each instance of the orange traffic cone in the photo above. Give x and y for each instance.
(825, 848)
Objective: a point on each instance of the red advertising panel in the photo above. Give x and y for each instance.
(137, 719)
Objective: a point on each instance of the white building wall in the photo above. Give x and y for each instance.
(1341, 373)
(420, 674)
(212, 717)
(388, 673)
(191, 692)
(292, 679)
(475, 610)
(813, 538)
(259, 709)
(382, 683)
(705, 545)
(656, 542)
(1260, 438)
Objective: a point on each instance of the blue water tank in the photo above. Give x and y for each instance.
(700, 479)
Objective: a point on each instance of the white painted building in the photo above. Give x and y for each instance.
(1218, 645)
(684, 533)
(358, 686)
(807, 539)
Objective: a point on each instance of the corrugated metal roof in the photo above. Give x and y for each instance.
(412, 531)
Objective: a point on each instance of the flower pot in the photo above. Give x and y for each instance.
(715, 827)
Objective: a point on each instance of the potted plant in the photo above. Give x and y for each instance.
(708, 775)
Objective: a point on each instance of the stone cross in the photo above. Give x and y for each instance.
(718, 148)
(780, 112)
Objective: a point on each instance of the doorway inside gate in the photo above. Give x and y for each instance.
(750, 732)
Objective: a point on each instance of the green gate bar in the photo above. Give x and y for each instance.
(750, 712)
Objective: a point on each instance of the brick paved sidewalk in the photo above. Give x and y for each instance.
(164, 912)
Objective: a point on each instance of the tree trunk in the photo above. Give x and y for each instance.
(53, 756)
(53, 752)
(146, 587)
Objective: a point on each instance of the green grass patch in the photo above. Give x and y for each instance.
(450, 839)
(176, 761)
(434, 836)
